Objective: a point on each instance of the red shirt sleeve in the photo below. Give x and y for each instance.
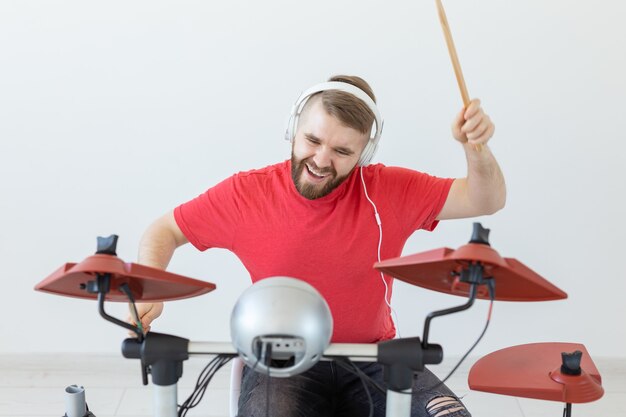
(415, 198)
(208, 221)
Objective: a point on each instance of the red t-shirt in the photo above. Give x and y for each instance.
(330, 242)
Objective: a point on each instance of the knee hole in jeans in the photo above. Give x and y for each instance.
(441, 406)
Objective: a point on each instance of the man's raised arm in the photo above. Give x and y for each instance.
(483, 191)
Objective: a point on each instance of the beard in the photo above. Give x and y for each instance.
(313, 191)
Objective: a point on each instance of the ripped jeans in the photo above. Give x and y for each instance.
(328, 390)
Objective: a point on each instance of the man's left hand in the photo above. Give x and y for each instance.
(472, 125)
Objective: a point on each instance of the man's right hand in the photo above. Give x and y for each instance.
(147, 312)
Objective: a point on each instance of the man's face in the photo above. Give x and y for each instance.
(324, 152)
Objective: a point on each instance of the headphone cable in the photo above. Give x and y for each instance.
(380, 243)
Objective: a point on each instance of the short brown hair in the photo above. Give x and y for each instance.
(350, 110)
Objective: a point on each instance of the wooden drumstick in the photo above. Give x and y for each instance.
(455, 59)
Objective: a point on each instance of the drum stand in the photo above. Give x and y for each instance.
(162, 356)
(470, 271)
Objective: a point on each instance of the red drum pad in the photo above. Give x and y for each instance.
(534, 371)
(438, 270)
(146, 284)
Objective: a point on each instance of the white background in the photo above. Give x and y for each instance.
(112, 113)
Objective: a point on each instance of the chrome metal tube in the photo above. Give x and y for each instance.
(75, 405)
(398, 403)
(165, 399)
(360, 352)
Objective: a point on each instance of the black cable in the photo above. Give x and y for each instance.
(492, 297)
(139, 327)
(346, 363)
(267, 396)
(361, 375)
(202, 383)
(267, 360)
(351, 367)
(567, 411)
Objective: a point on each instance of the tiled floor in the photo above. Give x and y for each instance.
(33, 386)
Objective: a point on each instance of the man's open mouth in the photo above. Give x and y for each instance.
(315, 173)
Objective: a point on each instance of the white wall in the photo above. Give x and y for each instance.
(112, 113)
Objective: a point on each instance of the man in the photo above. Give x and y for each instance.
(320, 217)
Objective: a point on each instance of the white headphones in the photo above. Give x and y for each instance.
(372, 144)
